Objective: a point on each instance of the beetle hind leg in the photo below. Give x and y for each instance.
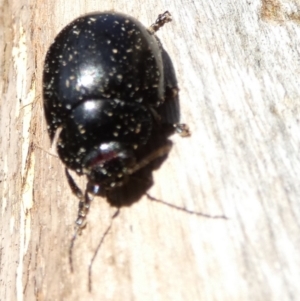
(161, 20)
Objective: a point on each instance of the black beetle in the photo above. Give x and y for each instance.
(102, 84)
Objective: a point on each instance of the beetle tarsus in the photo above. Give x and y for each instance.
(161, 20)
(182, 129)
(172, 92)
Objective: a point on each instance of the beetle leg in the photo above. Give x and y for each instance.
(182, 129)
(155, 115)
(83, 209)
(84, 201)
(161, 20)
(74, 187)
(172, 92)
(164, 150)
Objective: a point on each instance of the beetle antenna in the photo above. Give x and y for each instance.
(71, 250)
(99, 246)
(151, 198)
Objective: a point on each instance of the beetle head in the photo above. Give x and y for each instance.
(108, 165)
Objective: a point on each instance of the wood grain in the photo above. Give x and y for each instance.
(238, 68)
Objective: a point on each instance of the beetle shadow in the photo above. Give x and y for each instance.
(140, 181)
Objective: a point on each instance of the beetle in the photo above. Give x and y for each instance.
(103, 84)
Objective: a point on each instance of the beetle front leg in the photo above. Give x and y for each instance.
(84, 201)
(83, 209)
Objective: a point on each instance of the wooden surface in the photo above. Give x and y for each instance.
(238, 68)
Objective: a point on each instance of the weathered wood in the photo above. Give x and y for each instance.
(238, 68)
